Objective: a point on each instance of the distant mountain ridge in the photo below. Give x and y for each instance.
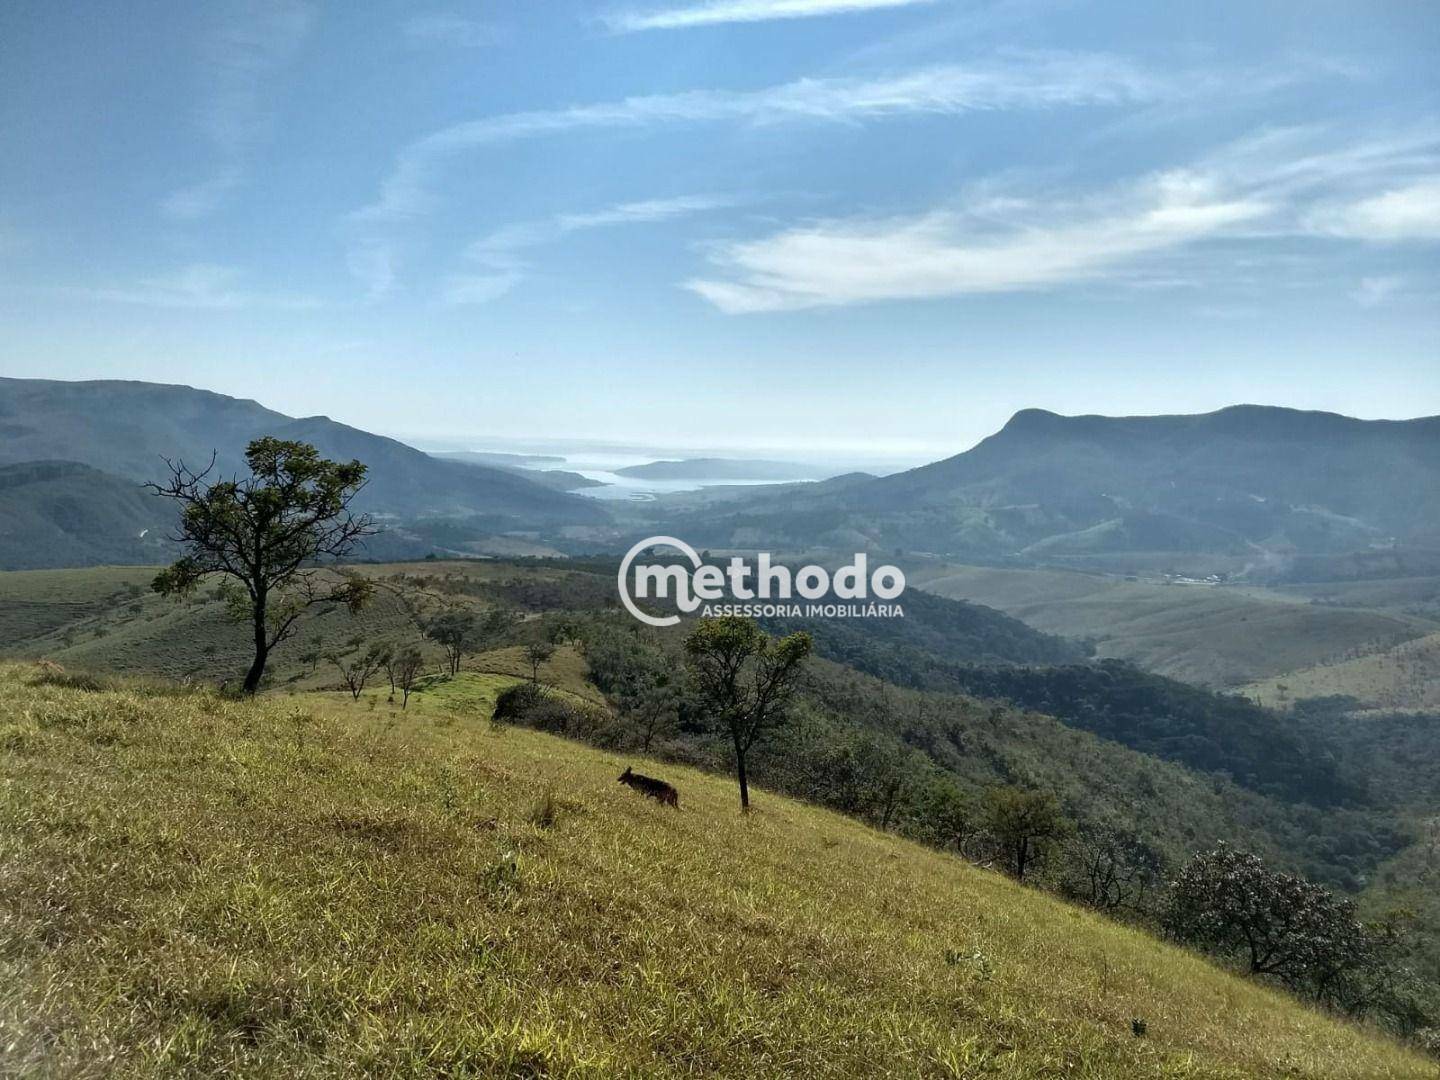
(721, 469)
(533, 467)
(128, 428)
(1244, 479)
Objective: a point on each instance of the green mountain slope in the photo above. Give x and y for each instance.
(61, 513)
(292, 888)
(1241, 481)
(127, 428)
(1213, 635)
(1230, 773)
(1252, 473)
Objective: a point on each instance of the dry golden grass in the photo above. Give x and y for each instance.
(305, 887)
(1405, 676)
(565, 670)
(1219, 636)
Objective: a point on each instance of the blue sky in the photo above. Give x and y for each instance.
(868, 226)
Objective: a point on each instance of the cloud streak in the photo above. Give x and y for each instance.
(1033, 82)
(502, 247)
(1401, 214)
(744, 11)
(254, 39)
(200, 286)
(946, 253)
(505, 250)
(1264, 187)
(465, 289)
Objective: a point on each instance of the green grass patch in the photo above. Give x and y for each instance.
(201, 887)
(470, 693)
(1212, 635)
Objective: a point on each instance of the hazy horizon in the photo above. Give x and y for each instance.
(834, 454)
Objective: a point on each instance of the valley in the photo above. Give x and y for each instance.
(1169, 682)
(899, 694)
(719, 540)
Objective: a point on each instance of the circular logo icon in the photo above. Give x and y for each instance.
(623, 578)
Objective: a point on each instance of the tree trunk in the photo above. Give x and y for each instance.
(740, 773)
(892, 797)
(262, 650)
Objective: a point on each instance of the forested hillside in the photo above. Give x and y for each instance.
(59, 513)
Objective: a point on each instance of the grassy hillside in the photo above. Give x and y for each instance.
(1404, 676)
(103, 620)
(199, 887)
(852, 730)
(1221, 636)
(107, 619)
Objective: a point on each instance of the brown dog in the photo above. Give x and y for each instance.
(648, 785)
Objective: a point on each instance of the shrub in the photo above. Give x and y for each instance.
(1277, 924)
(1280, 925)
(515, 703)
(536, 707)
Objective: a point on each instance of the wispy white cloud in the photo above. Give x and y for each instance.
(1318, 158)
(502, 247)
(1029, 82)
(199, 285)
(202, 199)
(445, 28)
(478, 288)
(947, 253)
(646, 210)
(252, 40)
(506, 249)
(1410, 212)
(743, 11)
(1260, 187)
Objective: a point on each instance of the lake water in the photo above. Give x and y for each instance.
(635, 489)
(602, 466)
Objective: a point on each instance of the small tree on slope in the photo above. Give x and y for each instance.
(746, 679)
(266, 535)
